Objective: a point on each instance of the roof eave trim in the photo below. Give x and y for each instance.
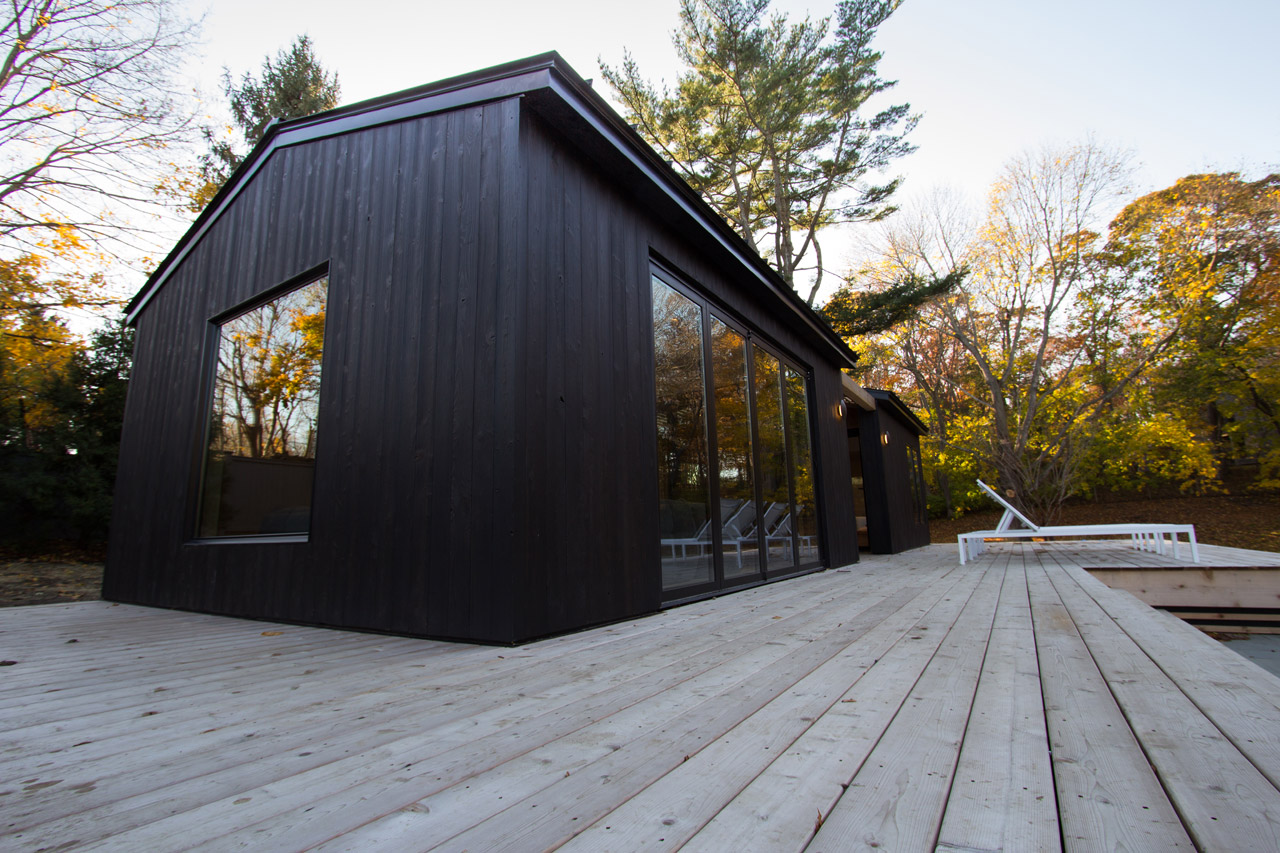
(575, 94)
(505, 81)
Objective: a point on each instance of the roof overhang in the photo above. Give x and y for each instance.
(856, 394)
(556, 91)
(890, 401)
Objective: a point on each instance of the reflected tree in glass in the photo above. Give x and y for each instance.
(260, 460)
(738, 510)
(802, 466)
(776, 511)
(684, 486)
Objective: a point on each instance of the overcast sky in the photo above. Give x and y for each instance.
(1187, 85)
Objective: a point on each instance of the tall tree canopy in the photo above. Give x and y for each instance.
(1208, 249)
(292, 85)
(88, 103)
(767, 122)
(1070, 359)
(1040, 341)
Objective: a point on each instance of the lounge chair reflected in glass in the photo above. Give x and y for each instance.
(740, 529)
(700, 540)
(782, 534)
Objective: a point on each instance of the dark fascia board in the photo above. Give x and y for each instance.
(503, 81)
(546, 71)
(892, 402)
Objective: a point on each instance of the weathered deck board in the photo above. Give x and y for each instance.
(781, 808)
(896, 799)
(457, 733)
(1223, 800)
(906, 702)
(1002, 797)
(1108, 796)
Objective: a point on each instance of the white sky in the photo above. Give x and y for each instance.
(1187, 85)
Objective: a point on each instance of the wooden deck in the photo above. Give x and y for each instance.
(906, 703)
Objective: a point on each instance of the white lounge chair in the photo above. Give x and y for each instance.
(739, 529)
(1145, 537)
(782, 533)
(700, 540)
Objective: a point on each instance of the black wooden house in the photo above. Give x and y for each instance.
(470, 361)
(888, 477)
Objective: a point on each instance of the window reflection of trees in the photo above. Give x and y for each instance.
(773, 448)
(681, 423)
(684, 488)
(260, 459)
(802, 466)
(268, 378)
(762, 488)
(733, 448)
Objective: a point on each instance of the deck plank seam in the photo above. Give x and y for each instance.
(846, 796)
(777, 689)
(1183, 795)
(1126, 714)
(964, 732)
(1209, 715)
(769, 627)
(880, 649)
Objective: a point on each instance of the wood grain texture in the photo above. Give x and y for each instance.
(1002, 797)
(486, 438)
(1210, 782)
(1108, 796)
(897, 798)
(894, 703)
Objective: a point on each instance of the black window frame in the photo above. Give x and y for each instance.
(209, 367)
(708, 308)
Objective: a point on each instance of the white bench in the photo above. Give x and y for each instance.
(1157, 538)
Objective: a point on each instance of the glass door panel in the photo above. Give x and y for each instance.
(775, 496)
(740, 542)
(806, 515)
(684, 483)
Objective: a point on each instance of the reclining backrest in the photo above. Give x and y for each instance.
(1006, 520)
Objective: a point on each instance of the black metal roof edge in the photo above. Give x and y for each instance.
(550, 62)
(893, 401)
(258, 154)
(702, 211)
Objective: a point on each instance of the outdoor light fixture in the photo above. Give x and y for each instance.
(841, 409)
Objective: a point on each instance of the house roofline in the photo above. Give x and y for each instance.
(890, 400)
(547, 71)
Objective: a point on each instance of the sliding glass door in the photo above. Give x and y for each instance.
(736, 492)
(684, 488)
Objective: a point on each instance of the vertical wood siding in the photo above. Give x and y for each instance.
(891, 518)
(409, 529)
(486, 445)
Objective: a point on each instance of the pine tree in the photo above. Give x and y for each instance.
(292, 85)
(769, 123)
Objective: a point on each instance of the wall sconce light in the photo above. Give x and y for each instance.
(842, 409)
(884, 439)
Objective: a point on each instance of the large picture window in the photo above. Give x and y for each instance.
(259, 463)
(735, 465)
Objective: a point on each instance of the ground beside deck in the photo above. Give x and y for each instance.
(906, 703)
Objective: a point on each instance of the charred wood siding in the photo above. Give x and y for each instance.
(485, 465)
(585, 399)
(892, 520)
(607, 222)
(409, 527)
